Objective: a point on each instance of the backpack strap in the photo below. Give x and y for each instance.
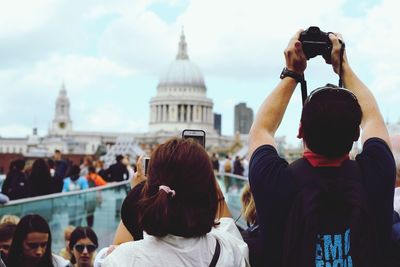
(217, 251)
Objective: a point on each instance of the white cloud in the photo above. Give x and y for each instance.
(99, 45)
(13, 130)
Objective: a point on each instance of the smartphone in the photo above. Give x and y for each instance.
(198, 135)
(146, 161)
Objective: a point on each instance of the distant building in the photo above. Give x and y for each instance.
(218, 123)
(180, 102)
(243, 118)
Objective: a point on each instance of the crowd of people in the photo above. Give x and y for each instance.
(321, 210)
(47, 176)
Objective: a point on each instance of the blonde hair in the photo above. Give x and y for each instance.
(8, 218)
(248, 205)
(67, 231)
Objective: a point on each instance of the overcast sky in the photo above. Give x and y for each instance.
(110, 55)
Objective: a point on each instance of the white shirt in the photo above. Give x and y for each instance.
(59, 261)
(175, 251)
(396, 200)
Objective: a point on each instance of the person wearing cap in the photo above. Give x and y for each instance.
(330, 211)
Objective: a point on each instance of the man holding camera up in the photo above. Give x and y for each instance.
(324, 209)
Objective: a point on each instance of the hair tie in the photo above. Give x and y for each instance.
(167, 189)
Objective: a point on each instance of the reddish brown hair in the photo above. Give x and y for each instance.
(185, 167)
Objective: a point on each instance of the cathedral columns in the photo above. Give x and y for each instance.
(194, 113)
(164, 113)
(182, 112)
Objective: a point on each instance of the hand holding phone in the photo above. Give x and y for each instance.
(139, 175)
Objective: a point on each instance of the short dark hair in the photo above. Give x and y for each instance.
(40, 178)
(19, 164)
(7, 231)
(92, 169)
(118, 158)
(330, 121)
(184, 166)
(81, 233)
(74, 172)
(29, 224)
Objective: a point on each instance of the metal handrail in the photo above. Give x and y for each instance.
(63, 194)
(240, 177)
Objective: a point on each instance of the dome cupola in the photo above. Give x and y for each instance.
(181, 101)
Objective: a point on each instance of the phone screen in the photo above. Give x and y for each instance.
(198, 135)
(146, 165)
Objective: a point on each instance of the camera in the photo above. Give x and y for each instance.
(316, 42)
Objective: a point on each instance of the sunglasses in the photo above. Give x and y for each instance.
(81, 247)
(327, 88)
(36, 245)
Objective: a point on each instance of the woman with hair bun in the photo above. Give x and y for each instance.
(180, 212)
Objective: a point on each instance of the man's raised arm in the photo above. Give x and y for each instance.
(271, 112)
(372, 123)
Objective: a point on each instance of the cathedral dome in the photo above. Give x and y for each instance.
(182, 72)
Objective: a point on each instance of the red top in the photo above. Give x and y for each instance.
(317, 160)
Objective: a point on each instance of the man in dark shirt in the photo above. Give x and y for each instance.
(60, 171)
(117, 172)
(330, 122)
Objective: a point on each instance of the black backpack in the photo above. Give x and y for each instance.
(330, 204)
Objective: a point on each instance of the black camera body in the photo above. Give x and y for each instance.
(316, 42)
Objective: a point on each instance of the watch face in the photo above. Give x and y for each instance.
(61, 125)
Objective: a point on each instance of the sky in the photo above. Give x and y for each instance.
(110, 55)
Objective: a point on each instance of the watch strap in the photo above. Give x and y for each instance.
(288, 73)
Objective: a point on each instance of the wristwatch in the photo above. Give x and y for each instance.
(288, 73)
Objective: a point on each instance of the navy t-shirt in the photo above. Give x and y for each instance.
(274, 190)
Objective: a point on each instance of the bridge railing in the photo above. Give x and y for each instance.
(102, 205)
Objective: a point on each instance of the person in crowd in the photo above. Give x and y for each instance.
(215, 162)
(83, 244)
(252, 235)
(3, 199)
(65, 251)
(94, 179)
(61, 169)
(181, 212)
(9, 218)
(99, 164)
(31, 245)
(129, 167)
(74, 181)
(227, 165)
(6, 235)
(237, 166)
(39, 181)
(52, 166)
(117, 172)
(324, 209)
(15, 184)
(87, 163)
(93, 198)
